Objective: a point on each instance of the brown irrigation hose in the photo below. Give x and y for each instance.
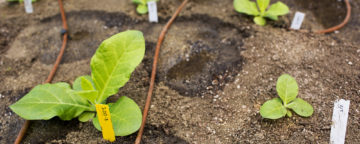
(346, 20)
(53, 70)
(153, 73)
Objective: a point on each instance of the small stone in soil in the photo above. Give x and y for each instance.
(214, 82)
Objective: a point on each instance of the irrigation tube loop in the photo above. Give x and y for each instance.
(342, 24)
(161, 38)
(53, 70)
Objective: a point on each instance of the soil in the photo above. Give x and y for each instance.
(216, 68)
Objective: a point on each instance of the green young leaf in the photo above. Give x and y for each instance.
(115, 60)
(260, 20)
(271, 17)
(288, 113)
(142, 9)
(276, 9)
(84, 87)
(125, 116)
(273, 109)
(49, 100)
(86, 116)
(287, 88)
(263, 4)
(77, 82)
(246, 6)
(301, 107)
(139, 1)
(86, 84)
(89, 95)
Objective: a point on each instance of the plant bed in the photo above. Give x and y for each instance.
(224, 106)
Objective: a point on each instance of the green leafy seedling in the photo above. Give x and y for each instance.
(111, 67)
(142, 6)
(287, 89)
(249, 7)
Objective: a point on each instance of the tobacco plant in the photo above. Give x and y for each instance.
(250, 8)
(142, 6)
(111, 67)
(287, 89)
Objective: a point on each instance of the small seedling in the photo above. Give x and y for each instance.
(249, 7)
(111, 67)
(142, 6)
(287, 90)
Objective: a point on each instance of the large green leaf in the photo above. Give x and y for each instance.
(260, 20)
(276, 9)
(49, 100)
(263, 4)
(273, 109)
(246, 6)
(301, 107)
(115, 60)
(287, 88)
(125, 116)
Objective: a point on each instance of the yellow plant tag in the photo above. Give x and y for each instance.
(104, 117)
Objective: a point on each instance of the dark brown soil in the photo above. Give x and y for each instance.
(215, 70)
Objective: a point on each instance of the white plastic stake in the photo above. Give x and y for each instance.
(297, 21)
(153, 16)
(339, 121)
(28, 6)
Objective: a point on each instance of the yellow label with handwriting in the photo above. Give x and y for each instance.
(104, 117)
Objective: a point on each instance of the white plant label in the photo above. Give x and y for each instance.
(339, 121)
(153, 16)
(297, 21)
(28, 6)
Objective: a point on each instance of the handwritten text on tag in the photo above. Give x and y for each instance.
(28, 6)
(339, 121)
(153, 16)
(104, 117)
(297, 21)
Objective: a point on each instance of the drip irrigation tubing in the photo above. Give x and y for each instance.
(53, 70)
(161, 38)
(153, 73)
(342, 24)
